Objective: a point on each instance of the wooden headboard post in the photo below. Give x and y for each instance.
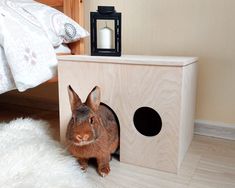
(75, 10)
(52, 3)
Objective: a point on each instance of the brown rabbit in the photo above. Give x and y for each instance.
(92, 131)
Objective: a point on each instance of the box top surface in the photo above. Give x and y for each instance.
(133, 59)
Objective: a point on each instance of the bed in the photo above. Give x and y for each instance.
(12, 46)
(73, 9)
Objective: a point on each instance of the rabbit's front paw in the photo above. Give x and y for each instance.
(83, 168)
(104, 170)
(83, 164)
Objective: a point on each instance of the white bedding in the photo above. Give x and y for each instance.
(62, 49)
(7, 82)
(27, 57)
(6, 79)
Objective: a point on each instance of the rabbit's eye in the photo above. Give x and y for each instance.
(91, 120)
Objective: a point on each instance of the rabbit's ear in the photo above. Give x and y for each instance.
(74, 99)
(93, 99)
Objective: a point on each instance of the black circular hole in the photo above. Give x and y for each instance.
(147, 121)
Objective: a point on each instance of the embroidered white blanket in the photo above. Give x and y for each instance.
(27, 57)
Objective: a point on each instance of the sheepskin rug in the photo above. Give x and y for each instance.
(30, 158)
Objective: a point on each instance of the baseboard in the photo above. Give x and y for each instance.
(215, 129)
(29, 102)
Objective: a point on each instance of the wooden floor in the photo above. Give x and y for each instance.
(209, 162)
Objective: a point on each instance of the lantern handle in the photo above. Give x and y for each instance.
(106, 9)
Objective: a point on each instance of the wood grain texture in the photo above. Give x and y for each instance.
(75, 10)
(216, 167)
(125, 88)
(188, 102)
(27, 102)
(134, 60)
(52, 3)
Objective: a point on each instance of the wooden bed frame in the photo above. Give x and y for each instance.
(73, 9)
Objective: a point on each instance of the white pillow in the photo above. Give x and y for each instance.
(58, 27)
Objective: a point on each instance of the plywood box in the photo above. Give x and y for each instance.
(149, 94)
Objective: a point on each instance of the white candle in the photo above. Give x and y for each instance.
(105, 38)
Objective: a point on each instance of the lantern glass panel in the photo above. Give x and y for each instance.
(105, 34)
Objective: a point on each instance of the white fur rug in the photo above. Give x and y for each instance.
(29, 158)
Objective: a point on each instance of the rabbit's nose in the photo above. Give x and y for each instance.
(79, 137)
(85, 137)
(82, 138)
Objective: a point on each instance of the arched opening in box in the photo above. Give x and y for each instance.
(117, 153)
(147, 121)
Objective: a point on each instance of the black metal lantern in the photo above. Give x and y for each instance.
(105, 32)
